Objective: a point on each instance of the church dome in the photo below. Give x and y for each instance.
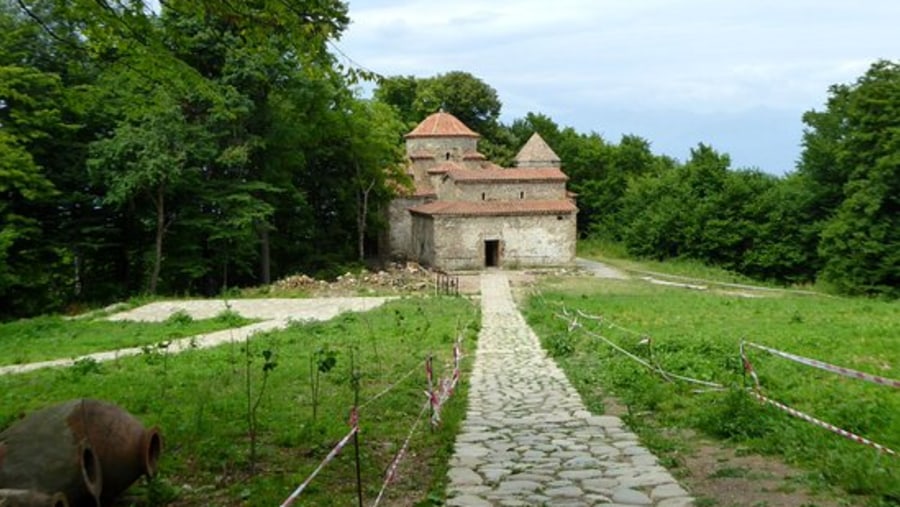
(442, 124)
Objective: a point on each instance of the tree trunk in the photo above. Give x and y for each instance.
(265, 260)
(78, 260)
(362, 217)
(159, 200)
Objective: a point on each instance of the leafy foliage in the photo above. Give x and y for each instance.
(205, 145)
(861, 242)
(185, 149)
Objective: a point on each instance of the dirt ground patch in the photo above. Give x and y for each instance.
(721, 475)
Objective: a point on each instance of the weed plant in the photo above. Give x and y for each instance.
(697, 334)
(54, 337)
(203, 409)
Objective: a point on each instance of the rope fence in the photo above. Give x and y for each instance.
(393, 386)
(756, 392)
(574, 320)
(436, 399)
(395, 463)
(840, 370)
(575, 324)
(331, 455)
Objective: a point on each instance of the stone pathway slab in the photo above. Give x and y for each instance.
(527, 438)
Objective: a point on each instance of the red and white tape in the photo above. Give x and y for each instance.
(822, 424)
(574, 324)
(748, 367)
(602, 320)
(391, 387)
(395, 463)
(334, 452)
(445, 386)
(757, 393)
(840, 370)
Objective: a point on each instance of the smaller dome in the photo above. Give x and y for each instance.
(536, 153)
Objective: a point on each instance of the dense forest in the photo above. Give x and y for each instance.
(212, 144)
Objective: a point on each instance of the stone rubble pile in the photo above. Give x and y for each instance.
(408, 276)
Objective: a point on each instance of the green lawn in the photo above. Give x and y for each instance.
(697, 334)
(616, 255)
(54, 337)
(199, 400)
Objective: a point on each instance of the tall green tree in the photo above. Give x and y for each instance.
(30, 113)
(463, 95)
(785, 242)
(149, 156)
(378, 162)
(72, 224)
(471, 100)
(860, 245)
(400, 93)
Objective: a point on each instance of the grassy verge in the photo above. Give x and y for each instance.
(53, 337)
(697, 334)
(616, 255)
(200, 401)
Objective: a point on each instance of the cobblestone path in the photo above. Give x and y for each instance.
(527, 438)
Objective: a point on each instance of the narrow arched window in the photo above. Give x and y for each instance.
(447, 156)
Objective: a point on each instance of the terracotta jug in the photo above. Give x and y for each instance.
(41, 453)
(89, 450)
(28, 498)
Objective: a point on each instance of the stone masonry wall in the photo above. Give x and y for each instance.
(511, 191)
(536, 240)
(440, 146)
(422, 240)
(400, 227)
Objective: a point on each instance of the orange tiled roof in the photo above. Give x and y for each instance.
(494, 208)
(445, 167)
(442, 124)
(507, 175)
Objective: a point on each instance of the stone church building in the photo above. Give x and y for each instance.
(465, 212)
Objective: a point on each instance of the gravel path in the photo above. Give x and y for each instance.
(600, 269)
(528, 439)
(276, 314)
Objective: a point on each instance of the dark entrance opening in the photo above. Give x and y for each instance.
(491, 253)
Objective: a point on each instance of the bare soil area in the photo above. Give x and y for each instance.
(719, 475)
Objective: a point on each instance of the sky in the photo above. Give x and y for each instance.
(736, 75)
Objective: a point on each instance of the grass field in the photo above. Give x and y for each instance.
(54, 337)
(697, 334)
(616, 255)
(200, 401)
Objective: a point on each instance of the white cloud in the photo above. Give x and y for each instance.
(578, 59)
